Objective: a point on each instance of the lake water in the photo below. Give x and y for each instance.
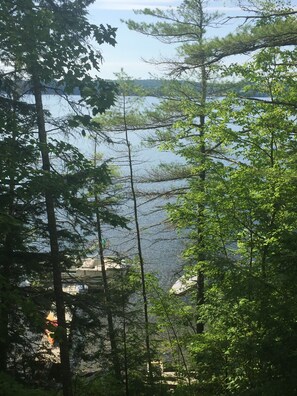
(161, 246)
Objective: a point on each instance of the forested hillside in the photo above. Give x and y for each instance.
(77, 317)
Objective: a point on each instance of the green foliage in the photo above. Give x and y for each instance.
(137, 387)
(99, 386)
(238, 211)
(10, 387)
(47, 210)
(273, 26)
(250, 196)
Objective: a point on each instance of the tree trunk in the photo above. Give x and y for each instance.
(106, 291)
(201, 217)
(139, 247)
(6, 305)
(53, 237)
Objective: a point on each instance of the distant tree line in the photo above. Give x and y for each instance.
(153, 87)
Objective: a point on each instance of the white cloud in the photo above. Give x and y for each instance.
(132, 4)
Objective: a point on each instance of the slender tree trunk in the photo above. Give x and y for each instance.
(201, 219)
(175, 335)
(8, 254)
(125, 342)
(54, 246)
(106, 291)
(5, 304)
(139, 248)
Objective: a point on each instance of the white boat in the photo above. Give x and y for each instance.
(183, 285)
(91, 269)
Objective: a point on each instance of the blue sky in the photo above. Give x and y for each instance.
(133, 47)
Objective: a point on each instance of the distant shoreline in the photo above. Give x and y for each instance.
(152, 87)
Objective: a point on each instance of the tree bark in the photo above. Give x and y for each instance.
(53, 237)
(6, 305)
(139, 247)
(106, 291)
